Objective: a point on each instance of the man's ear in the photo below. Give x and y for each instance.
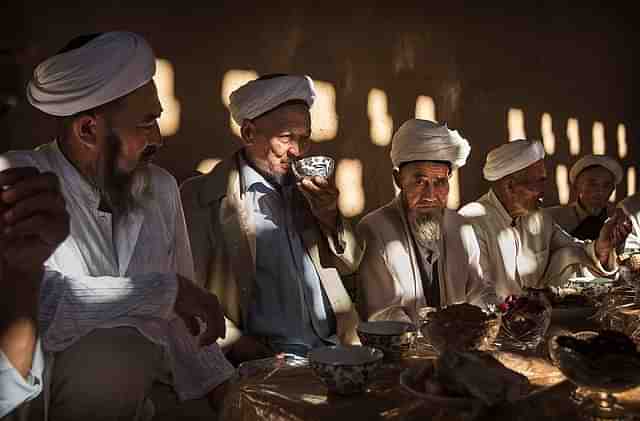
(85, 128)
(396, 177)
(248, 132)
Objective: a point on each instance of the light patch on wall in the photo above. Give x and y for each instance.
(515, 124)
(380, 122)
(164, 79)
(573, 134)
(562, 182)
(232, 80)
(612, 197)
(631, 181)
(453, 201)
(349, 181)
(207, 165)
(597, 133)
(324, 120)
(622, 141)
(548, 138)
(425, 108)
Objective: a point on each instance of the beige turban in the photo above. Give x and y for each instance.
(261, 95)
(106, 68)
(424, 140)
(596, 160)
(512, 157)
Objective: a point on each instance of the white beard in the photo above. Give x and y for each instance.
(427, 226)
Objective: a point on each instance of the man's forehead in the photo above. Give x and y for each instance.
(428, 169)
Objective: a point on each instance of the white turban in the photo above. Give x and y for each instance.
(424, 140)
(512, 157)
(106, 68)
(596, 160)
(261, 95)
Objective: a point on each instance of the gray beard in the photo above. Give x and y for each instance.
(427, 227)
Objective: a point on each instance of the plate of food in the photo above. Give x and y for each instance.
(467, 380)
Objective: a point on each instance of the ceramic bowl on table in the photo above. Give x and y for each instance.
(345, 370)
(391, 337)
(312, 166)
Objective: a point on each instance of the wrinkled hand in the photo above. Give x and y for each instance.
(193, 304)
(612, 234)
(33, 218)
(323, 199)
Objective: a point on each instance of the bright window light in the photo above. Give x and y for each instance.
(164, 79)
(380, 122)
(349, 181)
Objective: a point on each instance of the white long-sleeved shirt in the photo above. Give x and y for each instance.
(15, 389)
(108, 274)
(530, 251)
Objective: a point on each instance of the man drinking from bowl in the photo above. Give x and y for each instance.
(272, 246)
(418, 253)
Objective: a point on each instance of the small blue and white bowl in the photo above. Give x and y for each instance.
(345, 369)
(312, 166)
(390, 336)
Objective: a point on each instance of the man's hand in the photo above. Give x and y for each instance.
(195, 305)
(33, 223)
(248, 348)
(33, 220)
(612, 234)
(323, 199)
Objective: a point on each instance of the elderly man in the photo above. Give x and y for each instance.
(418, 252)
(270, 246)
(117, 308)
(593, 178)
(521, 246)
(33, 222)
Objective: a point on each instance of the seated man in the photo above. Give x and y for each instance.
(520, 245)
(118, 310)
(593, 178)
(37, 223)
(271, 247)
(419, 253)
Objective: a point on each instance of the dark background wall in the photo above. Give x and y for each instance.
(475, 62)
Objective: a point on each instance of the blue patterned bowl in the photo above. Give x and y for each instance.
(345, 370)
(312, 166)
(390, 336)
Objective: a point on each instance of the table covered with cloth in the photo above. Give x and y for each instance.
(286, 389)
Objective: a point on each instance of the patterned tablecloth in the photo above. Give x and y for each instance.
(286, 389)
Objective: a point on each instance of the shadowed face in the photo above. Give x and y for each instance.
(526, 188)
(424, 185)
(274, 140)
(593, 187)
(127, 141)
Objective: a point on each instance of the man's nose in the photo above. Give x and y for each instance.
(428, 191)
(294, 150)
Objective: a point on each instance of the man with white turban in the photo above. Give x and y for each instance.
(419, 253)
(131, 335)
(593, 178)
(520, 245)
(271, 246)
